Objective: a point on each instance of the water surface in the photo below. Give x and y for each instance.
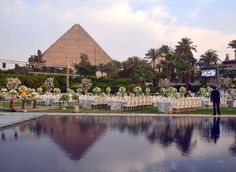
(119, 144)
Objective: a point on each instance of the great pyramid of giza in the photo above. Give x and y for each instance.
(71, 45)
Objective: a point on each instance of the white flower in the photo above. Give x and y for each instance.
(49, 84)
(13, 83)
(137, 90)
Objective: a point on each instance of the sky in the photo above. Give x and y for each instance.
(124, 28)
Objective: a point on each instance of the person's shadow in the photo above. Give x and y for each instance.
(215, 129)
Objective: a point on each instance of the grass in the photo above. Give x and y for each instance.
(82, 110)
(228, 111)
(7, 104)
(148, 110)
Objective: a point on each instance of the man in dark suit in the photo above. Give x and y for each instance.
(215, 98)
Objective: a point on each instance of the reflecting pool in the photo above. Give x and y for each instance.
(119, 144)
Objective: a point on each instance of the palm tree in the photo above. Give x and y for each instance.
(165, 49)
(209, 57)
(184, 50)
(152, 55)
(183, 70)
(184, 55)
(232, 44)
(168, 66)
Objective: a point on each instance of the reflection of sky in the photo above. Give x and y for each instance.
(118, 151)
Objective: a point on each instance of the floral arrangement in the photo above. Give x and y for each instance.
(97, 90)
(3, 90)
(170, 92)
(23, 90)
(202, 91)
(164, 83)
(182, 91)
(70, 91)
(137, 90)
(163, 91)
(57, 90)
(86, 84)
(13, 83)
(79, 90)
(108, 90)
(209, 89)
(13, 92)
(31, 90)
(177, 95)
(122, 91)
(147, 91)
(49, 84)
(40, 90)
(75, 96)
(34, 95)
(103, 94)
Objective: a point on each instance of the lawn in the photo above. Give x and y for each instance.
(150, 110)
(7, 104)
(228, 111)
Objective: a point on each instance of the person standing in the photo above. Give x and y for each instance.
(215, 99)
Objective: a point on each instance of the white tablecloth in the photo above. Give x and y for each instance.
(163, 106)
(116, 105)
(87, 103)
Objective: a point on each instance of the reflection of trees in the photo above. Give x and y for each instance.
(164, 131)
(232, 148)
(183, 139)
(232, 125)
(76, 134)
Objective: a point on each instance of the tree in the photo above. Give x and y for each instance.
(152, 55)
(185, 59)
(144, 72)
(183, 69)
(164, 50)
(232, 44)
(84, 68)
(184, 50)
(130, 65)
(112, 68)
(101, 68)
(209, 57)
(38, 58)
(4, 65)
(168, 66)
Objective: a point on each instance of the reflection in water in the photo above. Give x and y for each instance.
(76, 135)
(215, 130)
(70, 133)
(3, 137)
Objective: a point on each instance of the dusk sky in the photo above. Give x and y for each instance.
(124, 28)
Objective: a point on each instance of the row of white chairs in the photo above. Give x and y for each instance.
(187, 104)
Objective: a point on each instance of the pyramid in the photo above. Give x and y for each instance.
(71, 45)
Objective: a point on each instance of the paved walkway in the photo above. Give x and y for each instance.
(7, 119)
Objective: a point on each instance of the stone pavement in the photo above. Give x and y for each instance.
(7, 119)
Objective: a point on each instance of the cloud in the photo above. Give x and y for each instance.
(123, 28)
(13, 10)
